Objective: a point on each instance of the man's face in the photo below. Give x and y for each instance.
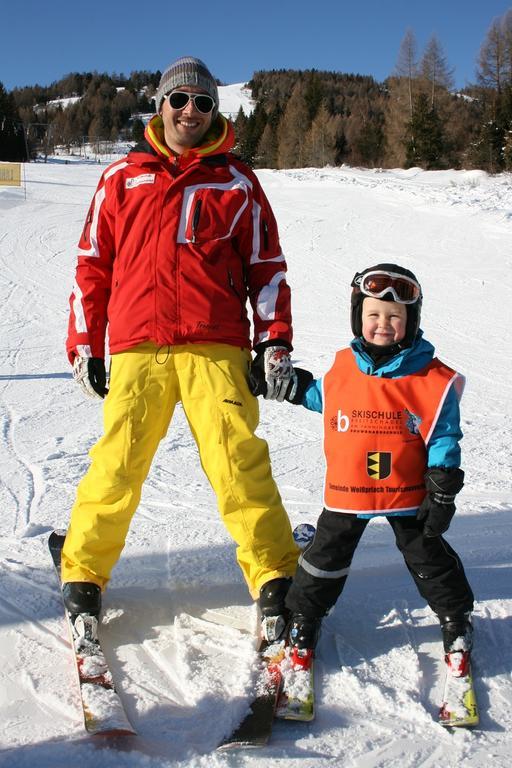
(184, 128)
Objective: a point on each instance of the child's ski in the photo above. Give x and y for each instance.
(297, 697)
(102, 708)
(459, 707)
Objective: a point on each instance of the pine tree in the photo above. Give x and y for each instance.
(507, 149)
(426, 143)
(138, 130)
(313, 93)
(240, 127)
(12, 132)
(370, 143)
(321, 139)
(407, 65)
(250, 134)
(495, 75)
(267, 151)
(491, 61)
(266, 155)
(292, 130)
(434, 69)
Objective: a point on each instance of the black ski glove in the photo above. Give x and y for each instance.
(299, 382)
(438, 506)
(273, 358)
(90, 373)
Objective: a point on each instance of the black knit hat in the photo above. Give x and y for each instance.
(357, 298)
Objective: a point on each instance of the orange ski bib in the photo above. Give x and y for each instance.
(375, 434)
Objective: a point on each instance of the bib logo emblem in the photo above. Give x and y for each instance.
(143, 178)
(342, 422)
(378, 464)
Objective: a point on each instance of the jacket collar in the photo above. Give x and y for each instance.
(404, 363)
(219, 139)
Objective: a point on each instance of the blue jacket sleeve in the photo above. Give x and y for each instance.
(313, 399)
(443, 448)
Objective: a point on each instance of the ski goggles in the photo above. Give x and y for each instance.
(378, 283)
(202, 102)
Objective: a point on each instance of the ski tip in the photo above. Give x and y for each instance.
(112, 733)
(462, 723)
(56, 538)
(449, 719)
(232, 746)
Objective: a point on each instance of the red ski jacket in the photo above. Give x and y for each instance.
(173, 247)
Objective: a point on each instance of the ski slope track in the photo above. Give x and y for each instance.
(178, 626)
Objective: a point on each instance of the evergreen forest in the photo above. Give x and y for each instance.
(301, 119)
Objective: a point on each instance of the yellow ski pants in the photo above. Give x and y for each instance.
(210, 380)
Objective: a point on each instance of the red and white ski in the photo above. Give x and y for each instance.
(297, 697)
(459, 707)
(102, 707)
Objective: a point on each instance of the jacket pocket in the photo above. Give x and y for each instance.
(211, 213)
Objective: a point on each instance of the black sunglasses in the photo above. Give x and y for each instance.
(202, 102)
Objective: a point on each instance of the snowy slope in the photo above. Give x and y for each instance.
(176, 594)
(232, 97)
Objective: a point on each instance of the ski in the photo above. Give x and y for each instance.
(256, 728)
(459, 707)
(297, 698)
(102, 707)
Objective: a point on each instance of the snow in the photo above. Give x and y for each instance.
(64, 102)
(179, 626)
(232, 97)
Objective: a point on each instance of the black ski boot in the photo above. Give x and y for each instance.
(457, 632)
(303, 632)
(82, 597)
(274, 614)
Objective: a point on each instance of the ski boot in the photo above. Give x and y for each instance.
(457, 642)
(303, 636)
(459, 707)
(82, 597)
(457, 632)
(274, 614)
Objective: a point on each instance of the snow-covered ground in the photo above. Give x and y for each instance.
(232, 97)
(178, 623)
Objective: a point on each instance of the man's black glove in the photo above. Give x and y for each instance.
(274, 360)
(438, 506)
(90, 373)
(295, 390)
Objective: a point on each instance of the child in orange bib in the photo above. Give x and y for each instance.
(391, 442)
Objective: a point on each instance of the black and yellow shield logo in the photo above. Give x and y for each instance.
(378, 464)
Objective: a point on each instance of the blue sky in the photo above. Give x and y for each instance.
(43, 41)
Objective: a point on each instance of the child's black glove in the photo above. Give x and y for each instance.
(299, 382)
(438, 507)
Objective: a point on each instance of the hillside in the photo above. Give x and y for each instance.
(178, 624)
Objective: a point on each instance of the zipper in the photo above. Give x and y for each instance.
(86, 234)
(195, 219)
(265, 235)
(233, 288)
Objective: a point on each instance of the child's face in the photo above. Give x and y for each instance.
(384, 322)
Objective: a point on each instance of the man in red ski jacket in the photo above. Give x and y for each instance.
(178, 236)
